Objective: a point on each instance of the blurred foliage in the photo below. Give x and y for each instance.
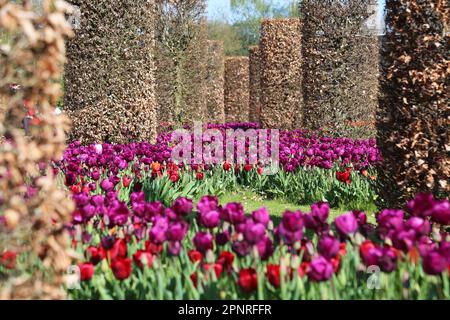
(242, 31)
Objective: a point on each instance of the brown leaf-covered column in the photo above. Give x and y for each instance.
(215, 80)
(34, 208)
(236, 89)
(340, 67)
(281, 74)
(414, 116)
(255, 84)
(109, 78)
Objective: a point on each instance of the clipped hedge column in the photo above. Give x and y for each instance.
(255, 84)
(413, 120)
(109, 77)
(215, 81)
(236, 89)
(281, 73)
(340, 67)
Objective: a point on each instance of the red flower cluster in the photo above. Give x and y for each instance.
(345, 176)
(248, 280)
(8, 260)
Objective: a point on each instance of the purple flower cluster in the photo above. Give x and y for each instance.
(297, 149)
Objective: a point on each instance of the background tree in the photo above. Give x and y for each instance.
(249, 13)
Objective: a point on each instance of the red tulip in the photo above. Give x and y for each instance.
(153, 248)
(248, 167)
(218, 268)
(195, 256)
(174, 177)
(95, 255)
(336, 262)
(75, 189)
(119, 250)
(121, 268)
(200, 176)
(226, 166)
(303, 269)
(248, 280)
(194, 279)
(342, 249)
(226, 258)
(143, 258)
(8, 260)
(273, 275)
(126, 181)
(86, 271)
(364, 172)
(260, 171)
(344, 177)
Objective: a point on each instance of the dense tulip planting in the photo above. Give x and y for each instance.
(146, 250)
(313, 169)
(147, 228)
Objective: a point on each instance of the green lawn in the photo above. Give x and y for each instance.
(276, 207)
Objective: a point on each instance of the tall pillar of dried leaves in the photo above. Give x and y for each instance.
(33, 208)
(109, 78)
(414, 116)
(255, 84)
(215, 81)
(236, 89)
(340, 67)
(181, 59)
(281, 73)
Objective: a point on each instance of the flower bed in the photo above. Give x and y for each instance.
(150, 251)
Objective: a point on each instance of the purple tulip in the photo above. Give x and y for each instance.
(261, 216)
(390, 222)
(207, 203)
(434, 263)
(320, 211)
(388, 260)
(346, 224)
(203, 241)
(328, 247)
(177, 231)
(404, 240)
(157, 233)
(441, 212)
(421, 205)
(292, 221)
(222, 238)
(419, 225)
(254, 232)
(107, 242)
(265, 248)
(174, 248)
(320, 269)
(209, 219)
(95, 175)
(153, 209)
(106, 185)
(182, 206)
(242, 248)
(118, 214)
(233, 213)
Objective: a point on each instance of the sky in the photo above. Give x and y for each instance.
(216, 7)
(221, 8)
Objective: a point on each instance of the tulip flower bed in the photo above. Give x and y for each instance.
(313, 168)
(145, 250)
